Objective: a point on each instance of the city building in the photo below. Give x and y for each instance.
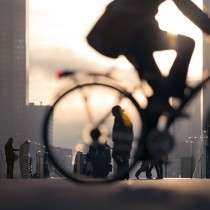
(13, 70)
(19, 119)
(206, 98)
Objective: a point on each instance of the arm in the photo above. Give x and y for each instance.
(194, 13)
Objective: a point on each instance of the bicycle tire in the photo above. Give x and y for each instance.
(47, 129)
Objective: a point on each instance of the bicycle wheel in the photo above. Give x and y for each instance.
(74, 117)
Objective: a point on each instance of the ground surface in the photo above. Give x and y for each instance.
(166, 194)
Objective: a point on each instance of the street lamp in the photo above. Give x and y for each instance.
(202, 139)
(191, 142)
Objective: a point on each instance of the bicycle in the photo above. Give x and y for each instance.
(86, 87)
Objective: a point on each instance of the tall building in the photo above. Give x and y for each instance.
(206, 62)
(206, 98)
(13, 70)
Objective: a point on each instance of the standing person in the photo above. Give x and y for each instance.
(99, 156)
(129, 28)
(10, 157)
(122, 137)
(94, 153)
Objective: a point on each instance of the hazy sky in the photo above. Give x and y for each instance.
(57, 32)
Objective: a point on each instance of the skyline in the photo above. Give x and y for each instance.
(57, 32)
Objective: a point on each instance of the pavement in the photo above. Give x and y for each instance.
(60, 193)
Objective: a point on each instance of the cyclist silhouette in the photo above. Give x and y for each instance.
(129, 28)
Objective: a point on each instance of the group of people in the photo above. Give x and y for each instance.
(99, 155)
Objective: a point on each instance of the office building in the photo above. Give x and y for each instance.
(13, 70)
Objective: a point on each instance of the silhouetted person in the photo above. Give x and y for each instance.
(99, 156)
(122, 137)
(129, 28)
(146, 167)
(10, 157)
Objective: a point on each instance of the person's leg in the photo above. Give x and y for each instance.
(124, 169)
(8, 170)
(138, 172)
(148, 173)
(117, 156)
(10, 166)
(157, 171)
(127, 175)
(178, 73)
(149, 170)
(161, 169)
(147, 40)
(11, 169)
(146, 66)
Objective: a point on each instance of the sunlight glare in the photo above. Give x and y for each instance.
(165, 60)
(173, 21)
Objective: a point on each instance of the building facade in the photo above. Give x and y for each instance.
(206, 98)
(13, 69)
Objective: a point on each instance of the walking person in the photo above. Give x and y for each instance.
(10, 157)
(122, 137)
